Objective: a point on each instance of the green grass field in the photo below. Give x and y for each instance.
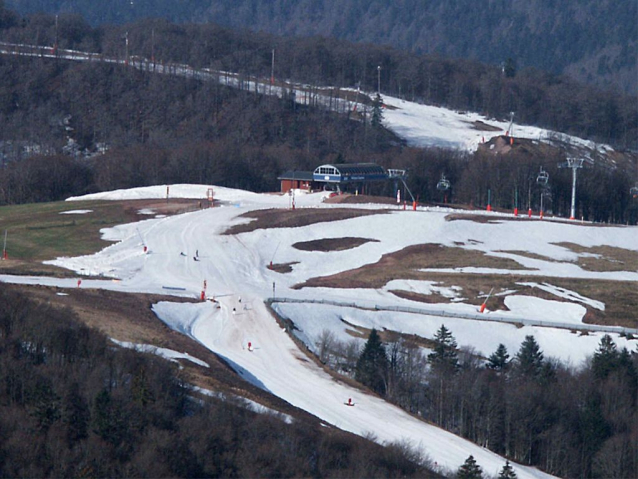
(38, 232)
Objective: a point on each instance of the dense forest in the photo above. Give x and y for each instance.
(592, 41)
(73, 405)
(533, 409)
(79, 127)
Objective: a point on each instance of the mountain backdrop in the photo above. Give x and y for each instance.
(594, 41)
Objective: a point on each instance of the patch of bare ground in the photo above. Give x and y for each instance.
(405, 264)
(620, 297)
(279, 218)
(607, 258)
(282, 267)
(526, 254)
(485, 218)
(482, 126)
(361, 199)
(22, 267)
(420, 297)
(332, 244)
(128, 317)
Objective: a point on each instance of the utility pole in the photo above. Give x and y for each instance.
(126, 53)
(4, 248)
(272, 68)
(510, 128)
(379, 79)
(153, 47)
(55, 44)
(574, 164)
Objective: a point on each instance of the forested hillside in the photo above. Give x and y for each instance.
(143, 129)
(73, 405)
(592, 41)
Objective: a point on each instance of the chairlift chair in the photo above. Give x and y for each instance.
(543, 177)
(443, 184)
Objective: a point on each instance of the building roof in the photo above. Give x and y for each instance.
(296, 175)
(347, 169)
(349, 172)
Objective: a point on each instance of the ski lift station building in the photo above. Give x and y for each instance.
(337, 177)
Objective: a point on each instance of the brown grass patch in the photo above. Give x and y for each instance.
(611, 258)
(485, 218)
(420, 297)
(38, 232)
(482, 126)
(282, 267)
(526, 254)
(332, 244)
(405, 264)
(278, 218)
(362, 199)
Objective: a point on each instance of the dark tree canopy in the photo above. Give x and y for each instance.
(372, 366)
(507, 472)
(499, 359)
(470, 470)
(529, 359)
(444, 357)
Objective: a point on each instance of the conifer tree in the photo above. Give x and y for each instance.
(470, 470)
(507, 472)
(605, 358)
(377, 111)
(372, 365)
(529, 358)
(444, 354)
(499, 360)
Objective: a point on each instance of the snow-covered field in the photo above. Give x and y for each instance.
(187, 250)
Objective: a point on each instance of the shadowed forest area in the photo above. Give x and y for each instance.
(74, 405)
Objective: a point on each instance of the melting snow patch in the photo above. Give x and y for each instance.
(145, 211)
(545, 309)
(246, 404)
(76, 212)
(567, 294)
(162, 352)
(424, 287)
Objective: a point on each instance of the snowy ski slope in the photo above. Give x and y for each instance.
(188, 249)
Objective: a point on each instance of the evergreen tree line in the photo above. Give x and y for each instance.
(78, 128)
(531, 409)
(537, 97)
(73, 405)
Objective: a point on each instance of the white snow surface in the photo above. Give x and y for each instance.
(483, 336)
(236, 265)
(427, 125)
(76, 212)
(567, 294)
(544, 309)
